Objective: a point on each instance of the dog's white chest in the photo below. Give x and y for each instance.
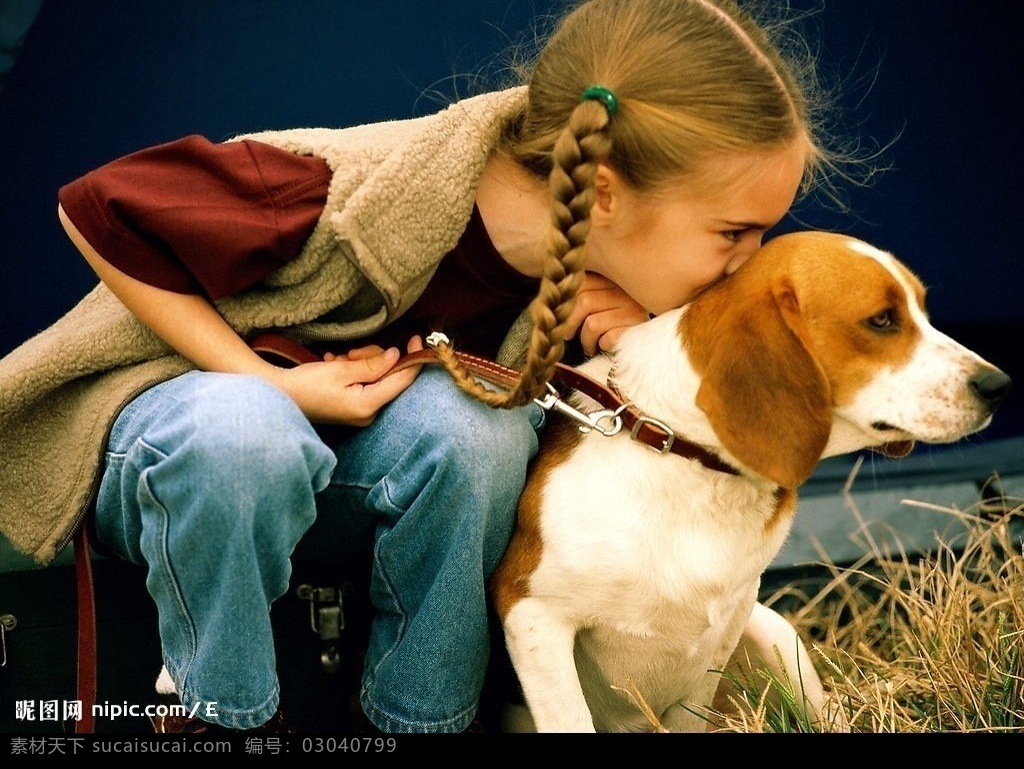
(618, 519)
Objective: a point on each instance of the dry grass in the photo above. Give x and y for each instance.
(913, 644)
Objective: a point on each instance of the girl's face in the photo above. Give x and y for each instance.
(663, 249)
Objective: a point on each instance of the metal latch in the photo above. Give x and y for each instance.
(7, 623)
(327, 619)
(605, 421)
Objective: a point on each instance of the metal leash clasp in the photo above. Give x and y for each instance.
(607, 422)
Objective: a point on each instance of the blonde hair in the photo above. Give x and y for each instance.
(692, 78)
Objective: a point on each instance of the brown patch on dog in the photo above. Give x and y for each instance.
(785, 508)
(510, 582)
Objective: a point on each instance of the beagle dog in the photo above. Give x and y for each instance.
(632, 573)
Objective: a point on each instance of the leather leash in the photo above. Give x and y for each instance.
(614, 416)
(86, 595)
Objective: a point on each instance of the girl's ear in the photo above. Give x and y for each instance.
(607, 184)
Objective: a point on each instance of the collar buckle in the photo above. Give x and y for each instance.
(666, 444)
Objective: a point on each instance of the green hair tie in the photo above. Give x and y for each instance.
(603, 95)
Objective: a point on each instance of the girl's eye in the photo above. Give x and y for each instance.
(733, 236)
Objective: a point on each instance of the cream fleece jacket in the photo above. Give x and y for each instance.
(401, 195)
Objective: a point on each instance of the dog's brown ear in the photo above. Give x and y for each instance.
(764, 394)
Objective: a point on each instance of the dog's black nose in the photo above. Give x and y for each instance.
(991, 386)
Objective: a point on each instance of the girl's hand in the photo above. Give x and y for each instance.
(602, 312)
(348, 389)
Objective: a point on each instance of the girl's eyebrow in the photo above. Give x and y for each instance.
(745, 225)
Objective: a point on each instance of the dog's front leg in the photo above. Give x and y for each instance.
(693, 715)
(540, 645)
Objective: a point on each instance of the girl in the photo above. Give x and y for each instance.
(655, 143)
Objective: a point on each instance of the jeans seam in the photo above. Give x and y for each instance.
(172, 579)
(393, 594)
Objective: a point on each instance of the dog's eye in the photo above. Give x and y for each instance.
(883, 321)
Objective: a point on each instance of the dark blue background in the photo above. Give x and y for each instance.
(936, 82)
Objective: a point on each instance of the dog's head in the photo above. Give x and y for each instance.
(820, 345)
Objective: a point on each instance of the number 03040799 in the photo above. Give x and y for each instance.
(349, 744)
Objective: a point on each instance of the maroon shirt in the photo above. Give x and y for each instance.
(192, 216)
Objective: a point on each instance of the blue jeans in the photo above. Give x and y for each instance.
(212, 481)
